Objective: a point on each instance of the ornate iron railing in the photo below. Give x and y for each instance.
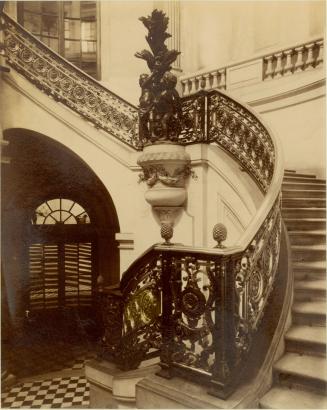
(207, 116)
(67, 84)
(212, 301)
(200, 309)
(214, 117)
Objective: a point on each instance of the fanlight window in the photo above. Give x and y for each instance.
(60, 211)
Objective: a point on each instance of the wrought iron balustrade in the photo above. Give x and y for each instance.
(214, 117)
(67, 84)
(199, 309)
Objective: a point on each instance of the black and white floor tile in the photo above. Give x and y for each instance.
(56, 393)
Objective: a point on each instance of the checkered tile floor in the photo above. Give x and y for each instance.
(55, 393)
(26, 361)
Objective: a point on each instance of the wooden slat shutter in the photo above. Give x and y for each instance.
(78, 274)
(44, 276)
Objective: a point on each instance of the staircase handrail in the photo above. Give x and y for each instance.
(152, 287)
(66, 83)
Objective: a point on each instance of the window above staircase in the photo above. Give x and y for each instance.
(67, 27)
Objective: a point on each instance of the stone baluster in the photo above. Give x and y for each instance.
(299, 59)
(269, 69)
(222, 77)
(319, 60)
(185, 87)
(288, 64)
(207, 81)
(200, 82)
(309, 61)
(215, 76)
(279, 68)
(192, 85)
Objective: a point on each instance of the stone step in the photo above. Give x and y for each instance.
(307, 237)
(310, 290)
(304, 212)
(300, 186)
(300, 193)
(298, 174)
(307, 371)
(302, 253)
(303, 203)
(309, 313)
(309, 270)
(306, 339)
(285, 398)
(295, 178)
(305, 224)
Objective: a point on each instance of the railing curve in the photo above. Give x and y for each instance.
(69, 85)
(200, 309)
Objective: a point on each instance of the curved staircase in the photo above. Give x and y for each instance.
(301, 373)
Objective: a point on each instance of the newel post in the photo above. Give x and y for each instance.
(222, 381)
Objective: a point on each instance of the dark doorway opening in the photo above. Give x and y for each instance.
(52, 256)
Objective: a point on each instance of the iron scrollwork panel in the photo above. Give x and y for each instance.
(193, 119)
(193, 302)
(141, 333)
(255, 273)
(236, 130)
(67, 84)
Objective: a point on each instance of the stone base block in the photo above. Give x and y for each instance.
(111, 388)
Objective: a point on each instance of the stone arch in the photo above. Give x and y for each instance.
(43, 169)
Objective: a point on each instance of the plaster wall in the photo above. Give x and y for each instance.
(216, 33)
(294, 108)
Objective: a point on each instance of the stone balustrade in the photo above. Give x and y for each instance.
(291, 60)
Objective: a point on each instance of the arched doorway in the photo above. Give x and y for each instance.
(58, 233)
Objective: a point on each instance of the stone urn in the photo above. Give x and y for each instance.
(166, 168)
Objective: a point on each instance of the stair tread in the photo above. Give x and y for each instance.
(317, 247)
(305, 219)
(308, 232)
(309, 180)
(310, 307)
(302, 333)
(303, 185)
(285, 398)
(300, 174)
(313, 367)
(310, 265)
(300, 190)
(310, 284)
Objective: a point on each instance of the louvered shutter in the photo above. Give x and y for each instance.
(78, 274)
(44, 276)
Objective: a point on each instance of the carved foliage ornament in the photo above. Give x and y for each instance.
(154, 173)
(160, 109)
